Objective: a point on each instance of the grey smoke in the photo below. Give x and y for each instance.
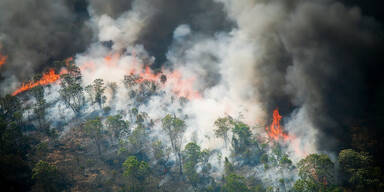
(314, 55)
(33, 33)
(307, 58)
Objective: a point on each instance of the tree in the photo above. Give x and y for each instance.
(15, 174)
(99, 88)
(71, 90)
(93, 128)
(235, 183)
(116, 125)
(241, 136)
(138, 138)
(358, 170)
(316, 173)
(48, 178)
(284, 163)
(223, 126)
(40, 104)
(137, 171)
(192, 156)
(228, 167)
(9, 106)
(174, 128)
(161, 154)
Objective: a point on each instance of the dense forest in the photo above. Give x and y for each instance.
(191, 96)
(102, 149)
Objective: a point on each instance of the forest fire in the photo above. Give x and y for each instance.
(174, 80)
(182, 87)
(46, 79)
(3, 59)
(275, 130)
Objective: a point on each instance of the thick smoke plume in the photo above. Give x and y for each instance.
(245, 58)
(33, 33)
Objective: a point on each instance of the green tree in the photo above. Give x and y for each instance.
(116, 125)
(93, 128)
(192, 156)
(241, 136)
(161, 154)
(284, 163)
(48, 178)
(174, 128)
(235, 183)
(316, 173)
(71, 90)
(223, 126)
(228, 167)
(99, 88)
(40, 105)
(9, 106)
(358, 170)
(15, 174)
(138, 138)
(137, 171)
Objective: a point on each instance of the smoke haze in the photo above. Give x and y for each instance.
(311, 59)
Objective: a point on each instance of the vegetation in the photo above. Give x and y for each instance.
(104, 149)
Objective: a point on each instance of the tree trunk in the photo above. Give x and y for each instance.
(98, 148)
(180, 165)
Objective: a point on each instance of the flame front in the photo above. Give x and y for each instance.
(46, 79)
(3, 59)
(275, 130)
(179, 85)
(175, 81)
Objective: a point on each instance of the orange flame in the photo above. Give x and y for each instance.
(179, 86)
(111, 60)
(46, 79)
(275, 130)
(148, 75)
(3, 59)
(182, 87)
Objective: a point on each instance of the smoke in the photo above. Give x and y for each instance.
(33, 33)
(245, 58)
(311, 58)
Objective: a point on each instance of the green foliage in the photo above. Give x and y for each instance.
(285, 161)
(138, 138)
(159, 150)
(48, 178)
(241, 136)
(235, 183)
(228, 167)
(137, 171)
(359, 172)
(174, 128)
(93, 128)
(9, 106)
(316, 173)
(223, 126)
(15, 174)
(116, 125)
(40, 104)
(71, 90)
(135, 168)
(96, 92)
(192, 156)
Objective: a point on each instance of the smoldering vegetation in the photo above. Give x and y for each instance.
(181, 95)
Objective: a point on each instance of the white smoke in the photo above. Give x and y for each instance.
(229, 69)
